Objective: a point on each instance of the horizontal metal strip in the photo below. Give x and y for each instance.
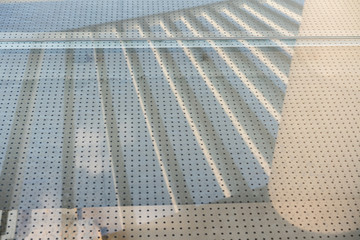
(176, 35)
(177, 44)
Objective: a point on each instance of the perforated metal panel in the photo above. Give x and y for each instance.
(78, 19)
(179, 120)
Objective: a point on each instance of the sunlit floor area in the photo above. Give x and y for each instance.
(171, 119)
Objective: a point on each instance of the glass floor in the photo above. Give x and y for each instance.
(208, 119)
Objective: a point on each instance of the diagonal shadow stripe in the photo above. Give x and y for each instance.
(157, 128)
(68, 160)
(210, 139)
(204, 74)
(230, 95)
(257, 53)
(120, 177)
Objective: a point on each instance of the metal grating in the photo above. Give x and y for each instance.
(253, 137)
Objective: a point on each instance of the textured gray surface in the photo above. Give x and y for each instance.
(205, 140)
